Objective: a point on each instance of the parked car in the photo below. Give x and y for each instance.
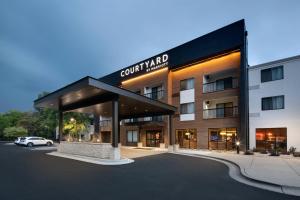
(18, 140)
(35, 141)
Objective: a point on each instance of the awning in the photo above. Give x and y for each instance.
(89, 95)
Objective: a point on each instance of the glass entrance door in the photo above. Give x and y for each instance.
(153, 138)
(222, 138)
(186, 138)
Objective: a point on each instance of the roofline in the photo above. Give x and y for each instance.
(190, 41)
(275, 62)
(124, 92)
(55, 91)
(121, 91)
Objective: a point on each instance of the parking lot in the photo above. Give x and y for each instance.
(31, 174)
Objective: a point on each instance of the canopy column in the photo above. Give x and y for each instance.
(116, 154)
(60, 124)
(115, 123)
(96, 123)
(171, 133)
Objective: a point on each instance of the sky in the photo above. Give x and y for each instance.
(46, 44)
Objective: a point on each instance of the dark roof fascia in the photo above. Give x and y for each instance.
(182, 53)
(127, 93)
(90, 81)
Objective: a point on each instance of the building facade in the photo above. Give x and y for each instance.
(273, 105)
(206, 79)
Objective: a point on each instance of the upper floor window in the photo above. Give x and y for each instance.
(154, 92)
(272, 74)
(187, 84)
(273, 103)
(187, 108)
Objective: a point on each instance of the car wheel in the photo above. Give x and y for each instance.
(30, 144)
(49, 144)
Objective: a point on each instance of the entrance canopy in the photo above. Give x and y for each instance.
(89, 95)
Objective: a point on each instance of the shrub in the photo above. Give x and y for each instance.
(263, 152)
(254, 149)
(248, 152)
(284, 152)
(292, 150)
(14, 132)
(274, 153)
(296, 154)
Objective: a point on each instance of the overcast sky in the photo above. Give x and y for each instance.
(47, 44)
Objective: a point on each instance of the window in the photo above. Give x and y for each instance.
(187, 84)
(272, 74)
(273, 103)
(187, 108)
(271, 138)
(132, 136)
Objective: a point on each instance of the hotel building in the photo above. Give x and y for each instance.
(192, 96)
(274, 104)
(204, 79)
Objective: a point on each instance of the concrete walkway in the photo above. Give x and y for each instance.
(283, 170)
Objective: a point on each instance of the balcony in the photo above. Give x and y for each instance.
(220, 85)
(156, 95)
(217, 113)
(142, 120)
(105, 123)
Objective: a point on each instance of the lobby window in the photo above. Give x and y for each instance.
(272, 74)
(272, 103)
(271, 138)
(187, 84)
(187, 108)
(132, 136)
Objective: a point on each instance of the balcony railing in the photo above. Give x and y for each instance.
(155, 95)
(216, 113)
(219, 85)
(105, 123)
(144, 119)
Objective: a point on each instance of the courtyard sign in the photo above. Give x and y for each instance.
(149, 65)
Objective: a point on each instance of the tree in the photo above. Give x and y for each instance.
(14, 132)
(9, 119)
(75, 123)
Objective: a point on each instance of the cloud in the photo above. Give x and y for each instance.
(45, 45)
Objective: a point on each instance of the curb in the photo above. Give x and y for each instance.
(92, 160)
(238, 175)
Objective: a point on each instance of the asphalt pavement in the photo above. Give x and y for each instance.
(26, 174)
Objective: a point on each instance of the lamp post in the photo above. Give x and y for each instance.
(237, 147)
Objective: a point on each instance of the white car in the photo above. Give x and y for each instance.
(18, 140)
(35, 141)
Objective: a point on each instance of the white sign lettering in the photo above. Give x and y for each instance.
(147, 66)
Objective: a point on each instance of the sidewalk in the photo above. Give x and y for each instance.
(283, 170)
